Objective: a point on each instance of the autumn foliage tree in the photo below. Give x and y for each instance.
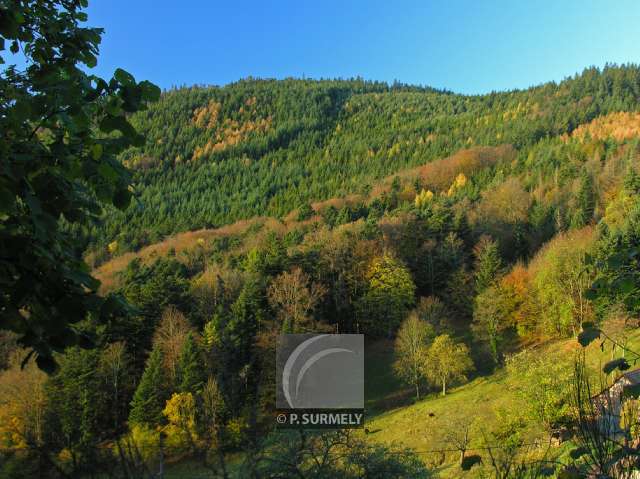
(389, 294)
(22, 404)
(169, 338)
(411, 346)
(561, 280)
(293, 296)
(447, 361)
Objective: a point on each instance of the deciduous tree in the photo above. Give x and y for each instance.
(446, 361)
(411, 349)
(169, 338)
(390, 293)
(293, 296)
(62, 129)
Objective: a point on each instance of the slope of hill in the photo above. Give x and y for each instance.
(429, 426)
(262, 147)
(299, 206)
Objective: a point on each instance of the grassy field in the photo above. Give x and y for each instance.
(422, 425)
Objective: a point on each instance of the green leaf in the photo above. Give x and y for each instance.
(587, 336)
(113, 305)
(108, 173)
(72, 308)
(570, 474)
(150, 92)
(26, 359)
(124, 77)
(631, 391)
(21, 110)
(591, 294)
(120, 123)
(619, 363)
(13, 320)
(65, 339)
(84, 278)
(616, 261)
(578, 452)
(85, 342)
(626, 286)
(96, 151)
(469, 461)
(90, 60)
(547, 471)
(122, 198)
(46, 363)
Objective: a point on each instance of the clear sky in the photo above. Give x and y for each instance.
(464, 46)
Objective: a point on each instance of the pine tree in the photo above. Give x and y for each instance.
(632, 181)
(305, 212)
(344, 216)
(488, 263)
(190, 368)
(585, 202)
(150, 396)
(395, 184)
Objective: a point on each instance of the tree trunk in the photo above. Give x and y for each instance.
(444, 387)
(417, 392)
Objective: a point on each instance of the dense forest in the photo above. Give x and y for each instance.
(270, 147)
(462, 235)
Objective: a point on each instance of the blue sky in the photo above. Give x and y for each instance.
(464, 46)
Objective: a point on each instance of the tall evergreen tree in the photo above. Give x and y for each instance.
(78, 405)
(150, 396)
(488, 263)
(191, 372)
(632, 181)
(585, 202)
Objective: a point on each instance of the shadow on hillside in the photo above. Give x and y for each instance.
(383, 389)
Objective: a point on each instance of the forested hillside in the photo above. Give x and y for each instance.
(458, 233)
(261, 147)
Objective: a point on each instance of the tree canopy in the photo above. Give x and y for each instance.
(62, 131)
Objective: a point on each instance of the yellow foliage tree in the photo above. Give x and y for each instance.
(459, 182)
(22, 404)
(180, 412)
(423, 198)
(112, 247)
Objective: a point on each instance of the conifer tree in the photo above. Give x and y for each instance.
(150, 396)
(488, 263)
(632, 181)
(190, 367)
(305, 212)
(585, 202)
